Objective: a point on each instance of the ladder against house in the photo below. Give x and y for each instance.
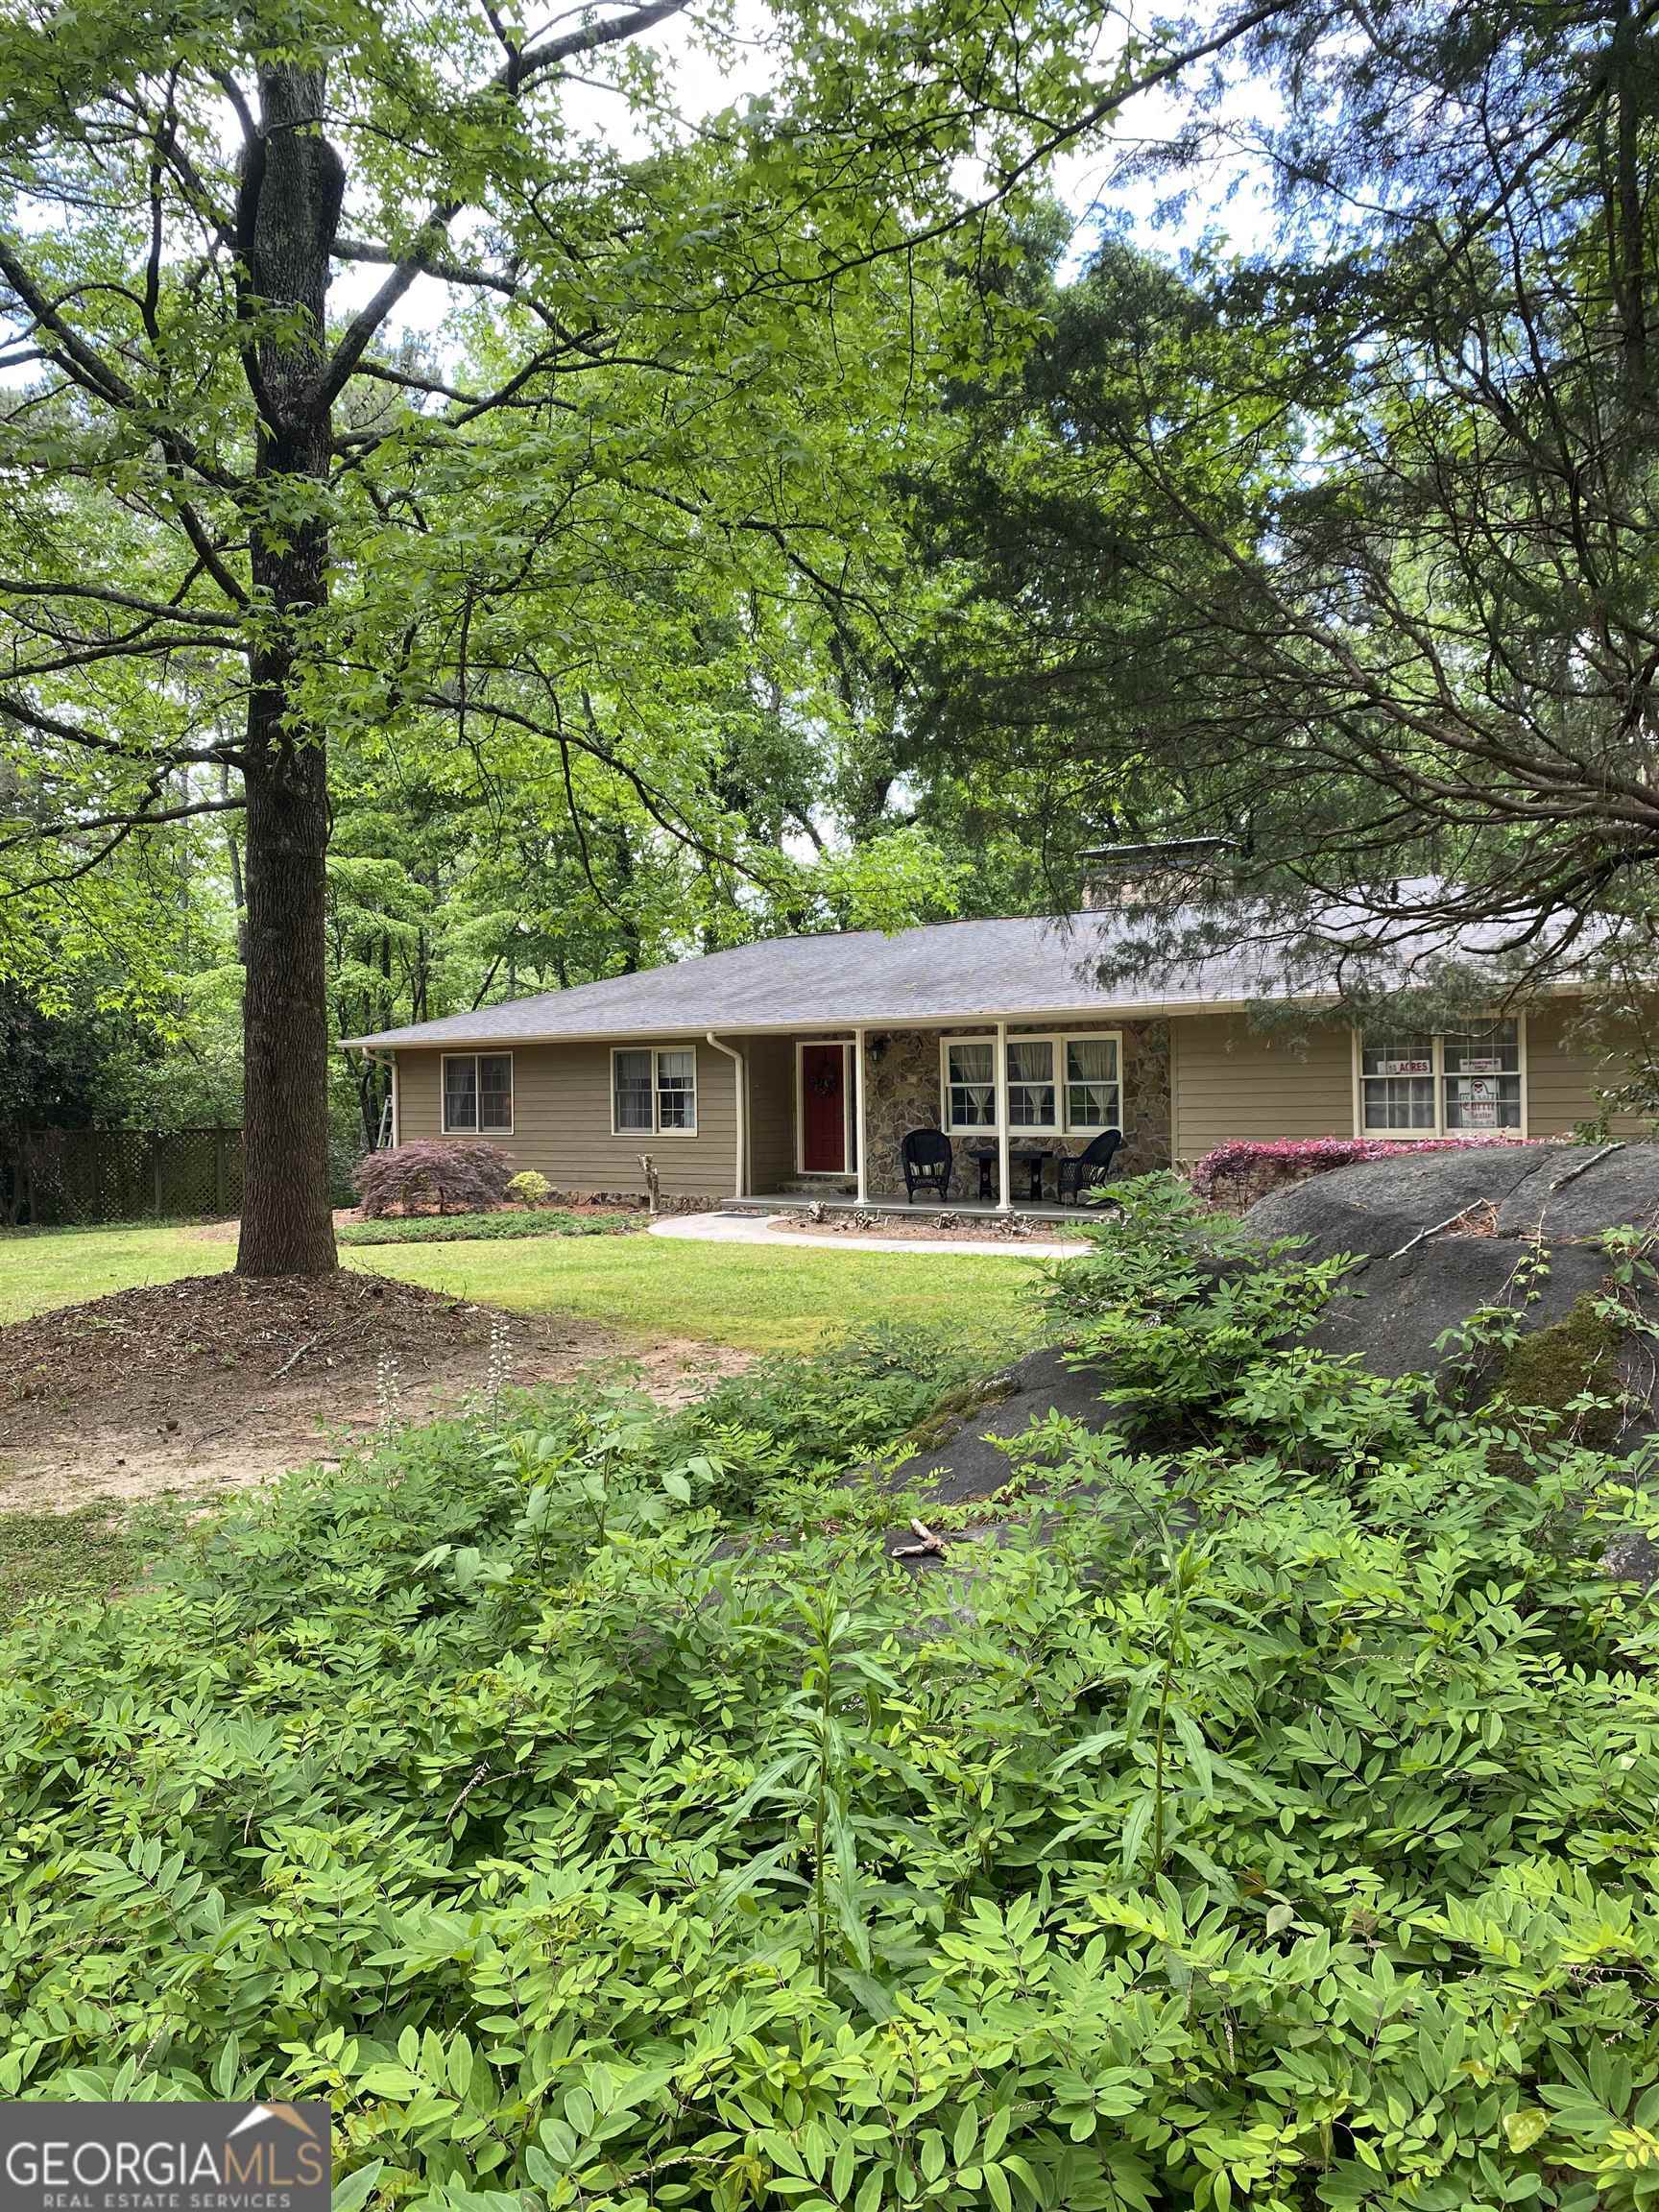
(383, 1142)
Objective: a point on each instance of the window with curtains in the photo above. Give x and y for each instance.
(1032, 1100)
(1055, 1084)
(477, 1093)
(654, 1090)
(1466, 1080)
(1093, 1085)
(971, 1084)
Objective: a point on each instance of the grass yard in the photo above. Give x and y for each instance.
(642, 1287)
(84, 1556)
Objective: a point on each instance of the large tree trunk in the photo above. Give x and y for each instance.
(290, 210)
(287, 1224)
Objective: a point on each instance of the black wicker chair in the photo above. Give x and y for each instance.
(927, 1159)
(1089, 1171)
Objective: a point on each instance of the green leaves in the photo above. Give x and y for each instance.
(472, 1789)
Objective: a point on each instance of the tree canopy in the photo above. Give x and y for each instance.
(1343, 551)
(564, 552)
(476, 523)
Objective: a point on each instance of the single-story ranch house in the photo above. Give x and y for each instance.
(803, 1063)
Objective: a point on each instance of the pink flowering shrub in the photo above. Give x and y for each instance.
(465, 1177)
(1241, 1172)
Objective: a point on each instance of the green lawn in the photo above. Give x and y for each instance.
(82, 1556)
(641, 1286)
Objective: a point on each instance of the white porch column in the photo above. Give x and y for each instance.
(1005, 1201)
(858, 1118)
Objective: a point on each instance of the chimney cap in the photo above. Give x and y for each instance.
(1162, 849)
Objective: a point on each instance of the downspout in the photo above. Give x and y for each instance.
(739, 1069)
(387, 1060)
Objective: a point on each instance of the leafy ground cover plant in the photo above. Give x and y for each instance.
(1272, 1821)
(456, 1176)
(784, 1429)
(452, 1227)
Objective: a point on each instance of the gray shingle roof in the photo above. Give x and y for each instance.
(950, 972)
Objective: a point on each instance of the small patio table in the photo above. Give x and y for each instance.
(1031, 1157)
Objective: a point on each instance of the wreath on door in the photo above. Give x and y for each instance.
(824, 1085)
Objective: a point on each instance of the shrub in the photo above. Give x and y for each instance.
(457, 1176)
(530, 1188)
(1239, 1172)
(452, 1227)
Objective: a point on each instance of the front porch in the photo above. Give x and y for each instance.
(826, 1112)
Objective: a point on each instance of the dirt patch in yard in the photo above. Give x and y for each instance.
(217, 1381)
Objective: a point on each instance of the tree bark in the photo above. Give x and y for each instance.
(289, 213)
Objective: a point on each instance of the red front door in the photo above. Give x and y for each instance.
(823, 1109)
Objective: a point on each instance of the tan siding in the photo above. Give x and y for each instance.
(1564, 1071)
(1230, 1081)
(562, 1121)
(771, 1111)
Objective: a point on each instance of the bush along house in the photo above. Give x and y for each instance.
(800, 1065)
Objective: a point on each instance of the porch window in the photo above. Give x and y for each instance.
(1070, 1084)
(971, 1085)
(477, 1093)
(1093, 1086)
(1434, 1086)
(654, 1093)
(1031, 1093)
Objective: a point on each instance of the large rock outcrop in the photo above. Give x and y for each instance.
(1442, 1233)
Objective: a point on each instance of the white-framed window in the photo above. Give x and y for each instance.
(1070, 1084)
(1460, 1082)
(1094, 1084)
(654, 1090)
(1033, 1096)
(477, 1093)
(970, 1082)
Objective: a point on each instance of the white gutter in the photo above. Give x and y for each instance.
(824, 1025)
(739, 1069)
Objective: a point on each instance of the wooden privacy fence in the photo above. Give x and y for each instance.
(93, 1176)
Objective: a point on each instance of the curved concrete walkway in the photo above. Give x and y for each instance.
(762, 1229)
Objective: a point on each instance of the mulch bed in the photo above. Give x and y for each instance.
(260, 1329)
(219, 1381)
(901, 1227)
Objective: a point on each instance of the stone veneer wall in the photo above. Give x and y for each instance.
(903, 1092)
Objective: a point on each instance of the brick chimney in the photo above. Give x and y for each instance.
(1152, 875)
